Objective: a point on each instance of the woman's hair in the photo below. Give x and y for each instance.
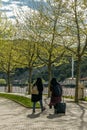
(39, 84)
(53, 81)
(39, 81)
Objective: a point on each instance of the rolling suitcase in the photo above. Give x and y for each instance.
(61, 107)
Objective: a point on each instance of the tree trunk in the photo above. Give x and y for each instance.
(8, 82)
(30, 78)
(77, 79)
(49, 79)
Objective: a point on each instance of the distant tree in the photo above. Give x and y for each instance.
(7, 54)
(7, 57)
(75, 34)
(45, 28)
(27, 51)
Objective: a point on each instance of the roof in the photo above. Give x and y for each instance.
(84, 79)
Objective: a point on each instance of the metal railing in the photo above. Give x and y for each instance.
(66, 91)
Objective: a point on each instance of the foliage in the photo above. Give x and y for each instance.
(7, 59)
(2, 82)
(56, 27)
(60, 72)
(85, 99)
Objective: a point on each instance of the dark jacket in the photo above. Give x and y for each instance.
(54, 99)
(35, 98)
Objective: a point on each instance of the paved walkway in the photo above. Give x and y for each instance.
(16, 117)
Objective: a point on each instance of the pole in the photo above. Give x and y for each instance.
(72, 67)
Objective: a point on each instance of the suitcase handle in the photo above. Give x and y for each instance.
(62, 98)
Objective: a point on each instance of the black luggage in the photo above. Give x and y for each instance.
(60, 107)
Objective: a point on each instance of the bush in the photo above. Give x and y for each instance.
(2, 82)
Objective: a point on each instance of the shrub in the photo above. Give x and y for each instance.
(2, 82)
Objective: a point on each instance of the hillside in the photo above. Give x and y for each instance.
(61, 72)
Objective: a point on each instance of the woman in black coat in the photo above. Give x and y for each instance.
(35, 98)
(55, 96)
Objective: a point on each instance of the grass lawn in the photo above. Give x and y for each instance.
(71, 97)
(25, 101)
(84, 99)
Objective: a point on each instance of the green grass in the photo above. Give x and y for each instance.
(71, 97)
(25, 101)
(84, 99)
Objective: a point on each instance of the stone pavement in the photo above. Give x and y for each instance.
(13, 116)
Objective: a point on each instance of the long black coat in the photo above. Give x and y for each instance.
(35, 98)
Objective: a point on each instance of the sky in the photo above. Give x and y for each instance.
(12, 7)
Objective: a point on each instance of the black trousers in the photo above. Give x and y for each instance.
(56, 108)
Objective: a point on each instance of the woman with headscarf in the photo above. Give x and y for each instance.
(55, 94)
(35, 98)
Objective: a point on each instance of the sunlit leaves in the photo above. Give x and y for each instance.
(8, 55)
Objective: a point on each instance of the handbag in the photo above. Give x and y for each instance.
(34, 90)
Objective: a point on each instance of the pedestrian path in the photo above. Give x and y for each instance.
(13, 116)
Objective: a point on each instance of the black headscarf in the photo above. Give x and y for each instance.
(54, 82)
(39, 84)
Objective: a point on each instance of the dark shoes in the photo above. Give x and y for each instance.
(43, 109)
(50, 107)
(33, 112)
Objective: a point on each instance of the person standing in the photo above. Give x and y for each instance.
(56, 94)
(38, 97)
